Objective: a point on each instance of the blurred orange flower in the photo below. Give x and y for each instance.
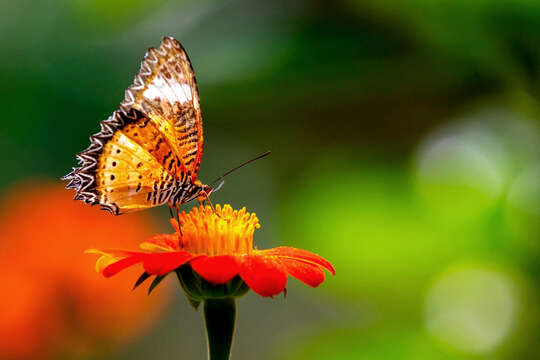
(52, 301)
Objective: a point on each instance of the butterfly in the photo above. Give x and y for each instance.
(149, 151)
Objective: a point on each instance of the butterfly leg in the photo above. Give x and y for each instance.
(201, 199)
(177, 217)
(178, 220)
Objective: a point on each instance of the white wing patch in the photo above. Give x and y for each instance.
(172, 91)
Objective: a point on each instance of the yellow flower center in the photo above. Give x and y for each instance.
(225, 231)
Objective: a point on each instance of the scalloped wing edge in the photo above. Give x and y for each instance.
(82, 178)
(146, 72)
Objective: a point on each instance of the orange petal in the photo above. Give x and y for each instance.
(113, 252)
(263, 274)
(162, 263)
(294, 253)
(305, 271)
(216, 269)
(120, 265)
(163, 242)
(104, 260)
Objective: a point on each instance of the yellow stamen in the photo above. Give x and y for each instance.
(225, 231)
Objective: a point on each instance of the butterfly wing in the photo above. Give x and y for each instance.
(166, 91)
(151, 146)
(123, 169)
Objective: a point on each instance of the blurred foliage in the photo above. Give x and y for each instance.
(404, 136)
(358, 344)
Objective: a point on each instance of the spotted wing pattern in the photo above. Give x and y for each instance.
(150, 147)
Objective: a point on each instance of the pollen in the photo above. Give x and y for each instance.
(221, 232)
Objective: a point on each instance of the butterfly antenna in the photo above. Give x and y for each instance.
(241, 165)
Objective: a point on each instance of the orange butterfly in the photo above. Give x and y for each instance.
(149, 151)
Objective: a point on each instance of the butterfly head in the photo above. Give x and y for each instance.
(199, 191)
(205, 191)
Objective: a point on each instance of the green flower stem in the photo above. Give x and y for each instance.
(219, 321)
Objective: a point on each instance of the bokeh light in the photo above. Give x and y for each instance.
(462, 169)
(473, 308)
(523, 206)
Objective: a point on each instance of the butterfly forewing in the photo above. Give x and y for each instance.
(166, 91)
(152, 145)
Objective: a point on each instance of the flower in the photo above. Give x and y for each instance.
(54, 302)
(218, 246)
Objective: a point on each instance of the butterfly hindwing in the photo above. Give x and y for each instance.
(136, 168)
(124, 168)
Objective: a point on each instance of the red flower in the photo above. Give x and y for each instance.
(219, 246)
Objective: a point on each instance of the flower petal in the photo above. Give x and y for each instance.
(112, 252)
(163, 242)
(294, 253)
(263, 274)
(103, 261)
(162, 263)
(305, 271)
(120, 265)
(216, 269)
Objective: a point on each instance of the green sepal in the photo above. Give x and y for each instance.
(190, 281)
(197, 289)
(141, 279)
(194, 302)
(155, 283)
